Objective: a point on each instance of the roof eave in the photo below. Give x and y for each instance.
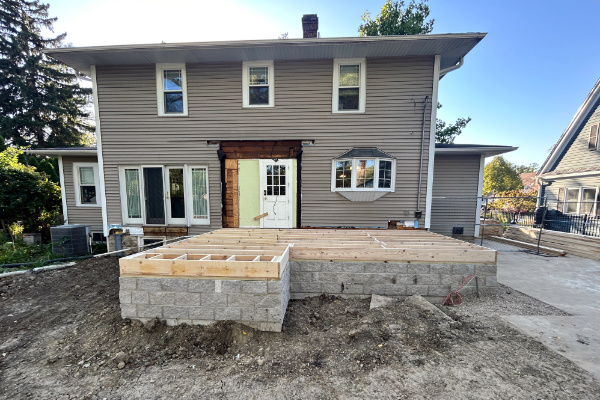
(487, 151)
(92, 152)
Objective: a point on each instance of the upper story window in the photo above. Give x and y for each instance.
(349, 85)
(258, 84)
(365, 169)
(593, 143)
(171, 89)
(86, 184)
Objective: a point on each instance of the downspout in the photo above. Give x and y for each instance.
(452, 68)
(421, 158)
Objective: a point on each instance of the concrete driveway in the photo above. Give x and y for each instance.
(569, 283)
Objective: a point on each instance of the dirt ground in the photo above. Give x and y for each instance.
(62, 337)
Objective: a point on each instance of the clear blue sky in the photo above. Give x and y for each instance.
(521, 85)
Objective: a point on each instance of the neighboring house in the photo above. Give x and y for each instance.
(570, 175)
(305, 132)
(530, 181)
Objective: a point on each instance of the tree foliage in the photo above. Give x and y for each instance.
(500, 176)
(515, 201)
(41, 101)
(527, 168)
(26, 194)
(446, 133)
(398, 18)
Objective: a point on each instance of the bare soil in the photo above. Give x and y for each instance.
(62, 337)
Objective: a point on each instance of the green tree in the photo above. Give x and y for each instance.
(499, 176)
(25, 194)
(41, 101)
(527, 168)
(398, 18)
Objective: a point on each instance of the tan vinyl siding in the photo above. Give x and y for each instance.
(455, 176)
(577, 154)
(133, 134)
(76, 214)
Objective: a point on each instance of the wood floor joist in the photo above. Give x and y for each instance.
(264, 253)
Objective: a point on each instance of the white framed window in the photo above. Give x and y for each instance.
(131, 195)
(198, 202)
(164, 195)
(579, 200)
(86, 179)
(363, 174)
(349, 85)
(258, 84)
(171, 90)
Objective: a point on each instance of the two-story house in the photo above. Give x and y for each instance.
(309, 132)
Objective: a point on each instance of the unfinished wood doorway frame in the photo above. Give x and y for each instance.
(231, 208)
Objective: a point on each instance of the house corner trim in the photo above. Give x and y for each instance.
(99, 152)
(430, 171)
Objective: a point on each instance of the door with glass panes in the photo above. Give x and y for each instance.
(276, 193)
(164, 196)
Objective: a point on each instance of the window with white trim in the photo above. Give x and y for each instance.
(258, 84)
(171, 90)
(349, 85)
(199, 195)
(363, 174)
(85, 177)
(579, 200)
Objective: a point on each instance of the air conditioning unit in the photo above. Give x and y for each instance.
(70, 240)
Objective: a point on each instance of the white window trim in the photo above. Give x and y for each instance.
(189, 200)
(353, 187)
(126, 219)
(246, 83)
(579, 200)
(362, 90)
(76, 167)
(160, 98)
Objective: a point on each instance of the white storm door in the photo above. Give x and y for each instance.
(276, 193)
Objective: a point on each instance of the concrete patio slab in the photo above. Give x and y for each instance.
(570, 283)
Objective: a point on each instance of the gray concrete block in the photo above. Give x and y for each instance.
(187, 299)
(454, 280)
(328, 266)
(306, 287)
(162, 298)
(231, 286)
(301, 276)
(202, 313)
(491, 281)
(228, 314)
(213, 300)
(375, 268)
(406, 279)
(418, 268)
(330, 288)
(268, 301)
(128, 311)
(139, 297)
(395, 290)
(486, 270)
(461, 269)
(274, 315)
(175, 285)
(255, 287)
(428, 279)
(369, 288)
(382, 278)
(126, 283)
(311, 266)
(241, 300)
(353, 288)
(354, 267)
(445, 269)
(417, 289)
(396, 268)
(201, 285)
(124, 297)
(147, 311)
(254, 314)
(176, 312)
(274, 286)
(149, 284)
(439, 290)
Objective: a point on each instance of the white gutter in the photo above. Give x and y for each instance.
(452, 68)
(100, 157)
(570, 175)
(91, 152)
(63, 195)
(430, 172)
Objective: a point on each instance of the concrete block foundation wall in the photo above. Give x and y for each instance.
(311, 278)
(259, 304)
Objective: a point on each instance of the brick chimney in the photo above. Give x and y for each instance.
(310, 25)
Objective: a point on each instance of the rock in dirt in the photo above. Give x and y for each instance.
(418, 301)
(380, 301)
(151, 325)
(121, 365)
(120, 356)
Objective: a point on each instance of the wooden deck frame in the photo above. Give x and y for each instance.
(257, 254)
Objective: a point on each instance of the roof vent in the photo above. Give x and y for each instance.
(310, 25)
